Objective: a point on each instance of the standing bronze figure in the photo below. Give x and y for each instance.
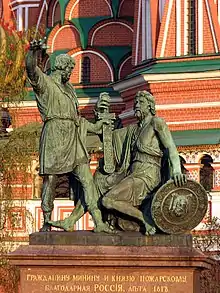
(63, 137)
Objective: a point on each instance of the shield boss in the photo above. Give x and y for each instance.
(176, 210)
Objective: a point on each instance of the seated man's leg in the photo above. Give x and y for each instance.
(121, 198)
(47, 203)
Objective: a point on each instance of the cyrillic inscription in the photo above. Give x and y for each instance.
(111, 281)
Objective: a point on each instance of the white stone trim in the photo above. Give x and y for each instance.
(211, 26)
(44, 6)
(188, 105)
(166, 28)
(130, 114)
(92, 101)
(149, 45)
(71, 11)
(186, 28)
(24, 6)
(53, 12)
(26, 18)
(157, 78)
(87, 101)
(106, 24)
(82, 102)
(129, 83)
(121, 66)
(170, 77)
(59, 30)
(178, 27)
(80, 71)
(98, 54)
(138, 33)
(119, 8)
(200, 26)
(20, 18)
(74, 5)
(22, 1)
(215, 164)
(219, 12)
(143, 30)
(161, 8)
(193, 121)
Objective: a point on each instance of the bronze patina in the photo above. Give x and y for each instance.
(102, 113)
(176, 210)
(63, 138)
(145, 159)
(138, 185)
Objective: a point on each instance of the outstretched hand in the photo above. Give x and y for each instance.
(179, 179)
(99, 124)
(103, 103)
(38, 45)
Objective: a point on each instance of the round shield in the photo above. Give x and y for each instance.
(176, 210)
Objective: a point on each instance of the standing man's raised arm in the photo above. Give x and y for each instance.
(34, 73)
(31, 60)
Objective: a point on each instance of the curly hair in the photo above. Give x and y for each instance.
(62, 61)
(150, 99)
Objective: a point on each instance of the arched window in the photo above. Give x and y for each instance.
(192, 27)
(206, 172)
(85, 73)
(182, 162)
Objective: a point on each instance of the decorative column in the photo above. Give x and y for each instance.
(21, 10)
(216, 176)
(193, 171)
(143, 31)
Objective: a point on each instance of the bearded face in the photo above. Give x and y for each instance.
(66, 73)
(141, 107)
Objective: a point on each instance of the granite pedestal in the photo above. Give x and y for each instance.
(83, 261)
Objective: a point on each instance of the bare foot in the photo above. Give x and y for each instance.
(46, 228)
(150, 230)
(66, 224)
(104, 228)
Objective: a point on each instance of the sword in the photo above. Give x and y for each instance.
(102, 113)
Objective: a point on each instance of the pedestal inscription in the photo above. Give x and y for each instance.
(34, 280)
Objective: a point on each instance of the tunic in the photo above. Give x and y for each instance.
(138, 152)
(62, 141)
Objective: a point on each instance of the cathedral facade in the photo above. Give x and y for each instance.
(168, 47)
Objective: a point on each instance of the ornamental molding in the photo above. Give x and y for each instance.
(213, 77)
(24, 3)
(171, 77)
(129, 84)
(197, 148)
(194, 154)
(178, 87)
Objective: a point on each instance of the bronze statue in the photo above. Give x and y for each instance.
(63, 138)
(139, 150)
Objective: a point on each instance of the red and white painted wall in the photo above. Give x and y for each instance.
(168, 40)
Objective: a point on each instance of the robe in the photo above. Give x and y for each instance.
(63, 138)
